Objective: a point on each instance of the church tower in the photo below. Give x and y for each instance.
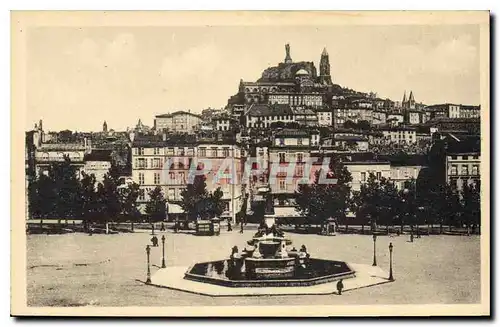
(324, 69)
(411, 101)
(105, 127)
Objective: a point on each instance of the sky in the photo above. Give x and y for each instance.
(77, 78)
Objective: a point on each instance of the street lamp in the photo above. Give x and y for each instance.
(374, 247)
(163, 252)
(148, 279)
(391, 278)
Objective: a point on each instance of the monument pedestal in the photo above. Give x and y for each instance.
(270, 220)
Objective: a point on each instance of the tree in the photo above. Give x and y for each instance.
(370, 196)
(215, 203)
(356, 205)
(110, 198)
(44, 197)
(408, 205)
(156, 206)
(193, 195)
(67, 187)
(128, 200)
(389, 200)
(319, 201)
(444, 205)
(471, 206)
(88, 197)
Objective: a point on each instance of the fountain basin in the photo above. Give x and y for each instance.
(318, 271)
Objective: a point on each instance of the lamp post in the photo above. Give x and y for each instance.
(163, 252)
(148, 279)
(391, 278)
(374, 247)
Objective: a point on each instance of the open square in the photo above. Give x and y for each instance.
(110, 270)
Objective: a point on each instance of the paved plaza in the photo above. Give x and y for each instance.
(110, 270)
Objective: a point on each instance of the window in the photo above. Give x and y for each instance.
(156, 151)
(141, 178)
(141, 151)
(475, 170)
(282, 157)
(142, 163)
(300, 157)
(157, 178)
(202, 152)
(171, 176)
(282, 184)
(214, 152)
(171, 193)
(225, 152)
(300, 170)
(379, 175)
(142, 195)
(180, 152)
(299, 141)
(465, 157)
(190, 152)
(156, 163)
(182, 177)
(454, 170)
(475, 157)
(363, 176)
(170, 152)
(465, 170)
(453, 157)
(282, 142)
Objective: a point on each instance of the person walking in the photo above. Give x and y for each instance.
(241, 227)
(229, 227)
(340, 287)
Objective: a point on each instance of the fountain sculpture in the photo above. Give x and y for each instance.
(269, 261)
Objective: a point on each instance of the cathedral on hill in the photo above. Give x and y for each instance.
(295, 83)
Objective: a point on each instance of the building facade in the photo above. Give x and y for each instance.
(179, 121)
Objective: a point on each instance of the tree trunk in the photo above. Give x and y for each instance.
(402, 228)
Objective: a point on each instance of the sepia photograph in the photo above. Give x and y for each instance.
(247, 163)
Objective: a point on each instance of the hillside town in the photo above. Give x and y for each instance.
(294, 113)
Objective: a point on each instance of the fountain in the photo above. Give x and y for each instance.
(269, 262)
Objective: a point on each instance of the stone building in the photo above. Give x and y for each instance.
(167, 161)
(179, 121)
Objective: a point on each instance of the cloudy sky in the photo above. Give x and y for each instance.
(79, 77)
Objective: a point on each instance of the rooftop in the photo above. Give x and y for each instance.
(464, 144)
(98, 155)
(292, 133)
(175, 113)
(269, 110)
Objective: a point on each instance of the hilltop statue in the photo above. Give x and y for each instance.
(288, 59)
